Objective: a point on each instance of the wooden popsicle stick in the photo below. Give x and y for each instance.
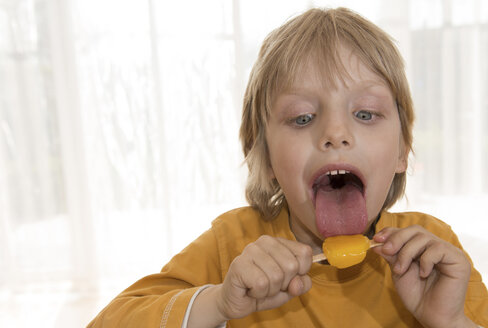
(319, 257)
(322, 257)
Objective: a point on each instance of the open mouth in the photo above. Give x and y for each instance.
(339, 201)
(337, 179)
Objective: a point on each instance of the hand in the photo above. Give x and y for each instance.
(267, 274)
(431, 275)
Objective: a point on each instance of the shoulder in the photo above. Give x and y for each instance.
(244, 213)
(235, 229)
(427, 221)
(243, 225)
(404, 219)
(238, 219)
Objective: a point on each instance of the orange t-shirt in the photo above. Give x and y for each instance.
(360, 296)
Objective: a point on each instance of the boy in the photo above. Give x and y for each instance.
(326, 131)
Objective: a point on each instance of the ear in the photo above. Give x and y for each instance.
(402, 162)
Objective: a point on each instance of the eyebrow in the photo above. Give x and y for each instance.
(293, 97)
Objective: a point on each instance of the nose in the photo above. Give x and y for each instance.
(336, 133)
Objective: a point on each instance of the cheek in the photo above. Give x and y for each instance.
(288, 161)
(286, 152)
(285, 160)
(387, 160)
(385, 146)
(384, 159)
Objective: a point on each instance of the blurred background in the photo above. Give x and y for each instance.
(119, 134)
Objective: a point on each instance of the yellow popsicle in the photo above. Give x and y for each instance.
(345, 251)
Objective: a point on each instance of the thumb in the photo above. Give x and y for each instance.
(391, 259)
(299, 285)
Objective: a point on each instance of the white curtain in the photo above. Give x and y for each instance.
(119, 134)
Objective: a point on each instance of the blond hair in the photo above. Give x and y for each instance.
(316, 34)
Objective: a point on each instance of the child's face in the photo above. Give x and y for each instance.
(315, 128)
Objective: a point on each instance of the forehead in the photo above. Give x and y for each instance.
(347, 70)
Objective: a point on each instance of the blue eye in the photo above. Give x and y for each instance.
(364, 115)
(304, 119)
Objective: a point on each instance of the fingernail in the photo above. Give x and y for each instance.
(388, 246)
(397, 268)
(379, 238)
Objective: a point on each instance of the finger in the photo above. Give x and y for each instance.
(385, 250)
(292, 257)
(429, 258)
(450, 260)
(272, 301)
(384, 234)
(283, 258)
(397, 238)
(391, 259)
(411, 250)
(267, 263)
(274, 274)
(249, 277)
(297, 262)
(302, 252)
(299, 285)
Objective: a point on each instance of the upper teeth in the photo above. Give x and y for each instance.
(336, 172)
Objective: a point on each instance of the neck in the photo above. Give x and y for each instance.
(304, 235)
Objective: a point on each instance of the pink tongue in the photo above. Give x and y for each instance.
(340, 211)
